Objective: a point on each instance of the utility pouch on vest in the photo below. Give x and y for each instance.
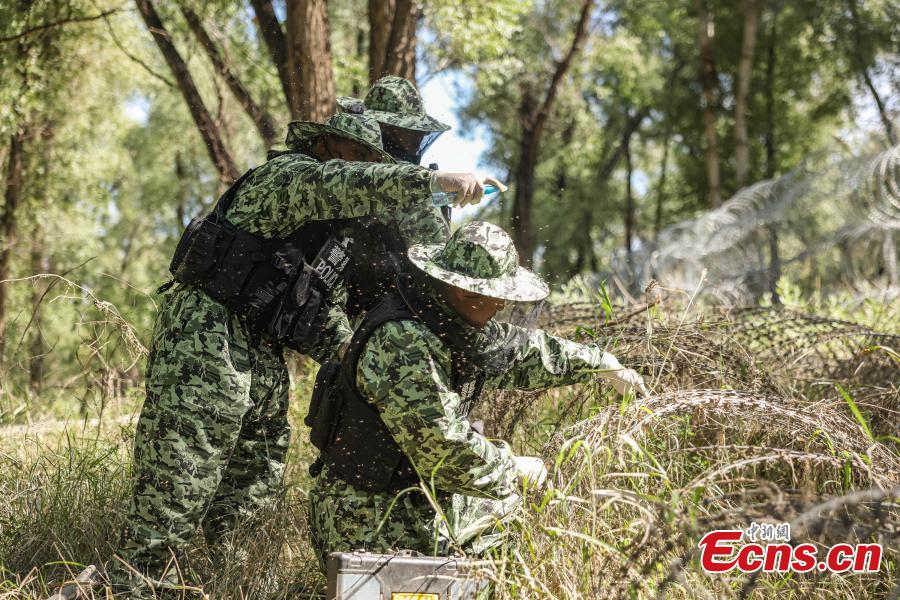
(195, 255)
(323, 406)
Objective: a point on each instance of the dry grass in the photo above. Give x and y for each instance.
(762, 415)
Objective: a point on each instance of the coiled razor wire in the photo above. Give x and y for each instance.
(829, 203)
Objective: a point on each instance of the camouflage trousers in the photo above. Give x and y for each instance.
(343, 519)
(212, 435)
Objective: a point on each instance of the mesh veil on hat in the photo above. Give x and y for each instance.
(359, 129)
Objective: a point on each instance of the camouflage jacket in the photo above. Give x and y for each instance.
(405, 371)
(290, 190)
(293, 189)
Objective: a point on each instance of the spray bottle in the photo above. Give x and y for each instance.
(446, 198)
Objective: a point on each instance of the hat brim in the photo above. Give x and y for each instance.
(303, 134)
(423, 123)
(524, 286)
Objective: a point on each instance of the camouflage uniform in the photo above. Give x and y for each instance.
(213, 432)
(405, 371)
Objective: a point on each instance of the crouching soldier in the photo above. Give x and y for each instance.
(253, 277)
(394, 412)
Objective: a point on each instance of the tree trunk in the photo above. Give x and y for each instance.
(709, 84)
(312, 96)
(889, 253)
(774, 263)
(529, 143)
(392, 38)
(381, 18)
(40, 263)
(774, 273)
(361, 54)
(523, 234)
(273, 36)
(661, 191)
(15, 176)
(885, 119)
(771, 148)
(262, 120)
(745, 70)
(629, 206)
(209, 131)
(400, 56)
(864, 71)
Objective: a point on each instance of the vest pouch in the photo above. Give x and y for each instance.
(196, 252)
(324, 406)
(362, 452)
(308, 325)
(270, 285)
(291, 305)
(226, 284)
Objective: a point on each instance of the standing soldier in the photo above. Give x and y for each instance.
(213, 432)
(394, 413)
(407, 131)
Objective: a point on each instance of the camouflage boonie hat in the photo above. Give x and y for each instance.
(359, 129)
(480, 257)
(394, 101)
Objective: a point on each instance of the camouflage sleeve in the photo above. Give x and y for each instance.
(404, 370)
(336, 330)
(546, 361)
(293, 189)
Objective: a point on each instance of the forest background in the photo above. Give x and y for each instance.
(647, 143)
(121, 121)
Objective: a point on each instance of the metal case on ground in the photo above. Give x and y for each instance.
(403, 576)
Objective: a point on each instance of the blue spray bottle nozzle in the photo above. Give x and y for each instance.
(445, 198)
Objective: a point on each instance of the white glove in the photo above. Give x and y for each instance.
(532, 470)
(468, 187)
(624, 380)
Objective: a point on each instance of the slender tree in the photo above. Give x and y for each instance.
(750, 11)
(311, 89)
(533, 118)
(629, 203)
(209, 130)
(709, 83)
(661, 186)
(12, 195)
(392, 38)
(856, 52)
(40, 263)
(15, 180)
(273, 36)
(381, 17)
(260, 117)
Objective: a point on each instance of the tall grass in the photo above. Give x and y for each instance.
(765, 416)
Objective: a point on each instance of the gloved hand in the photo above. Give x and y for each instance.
(468, 187)
(624, 380)
(531, 470)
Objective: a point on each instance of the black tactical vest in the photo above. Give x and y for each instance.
(280, 287)
(354, 442)
(379, 256)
